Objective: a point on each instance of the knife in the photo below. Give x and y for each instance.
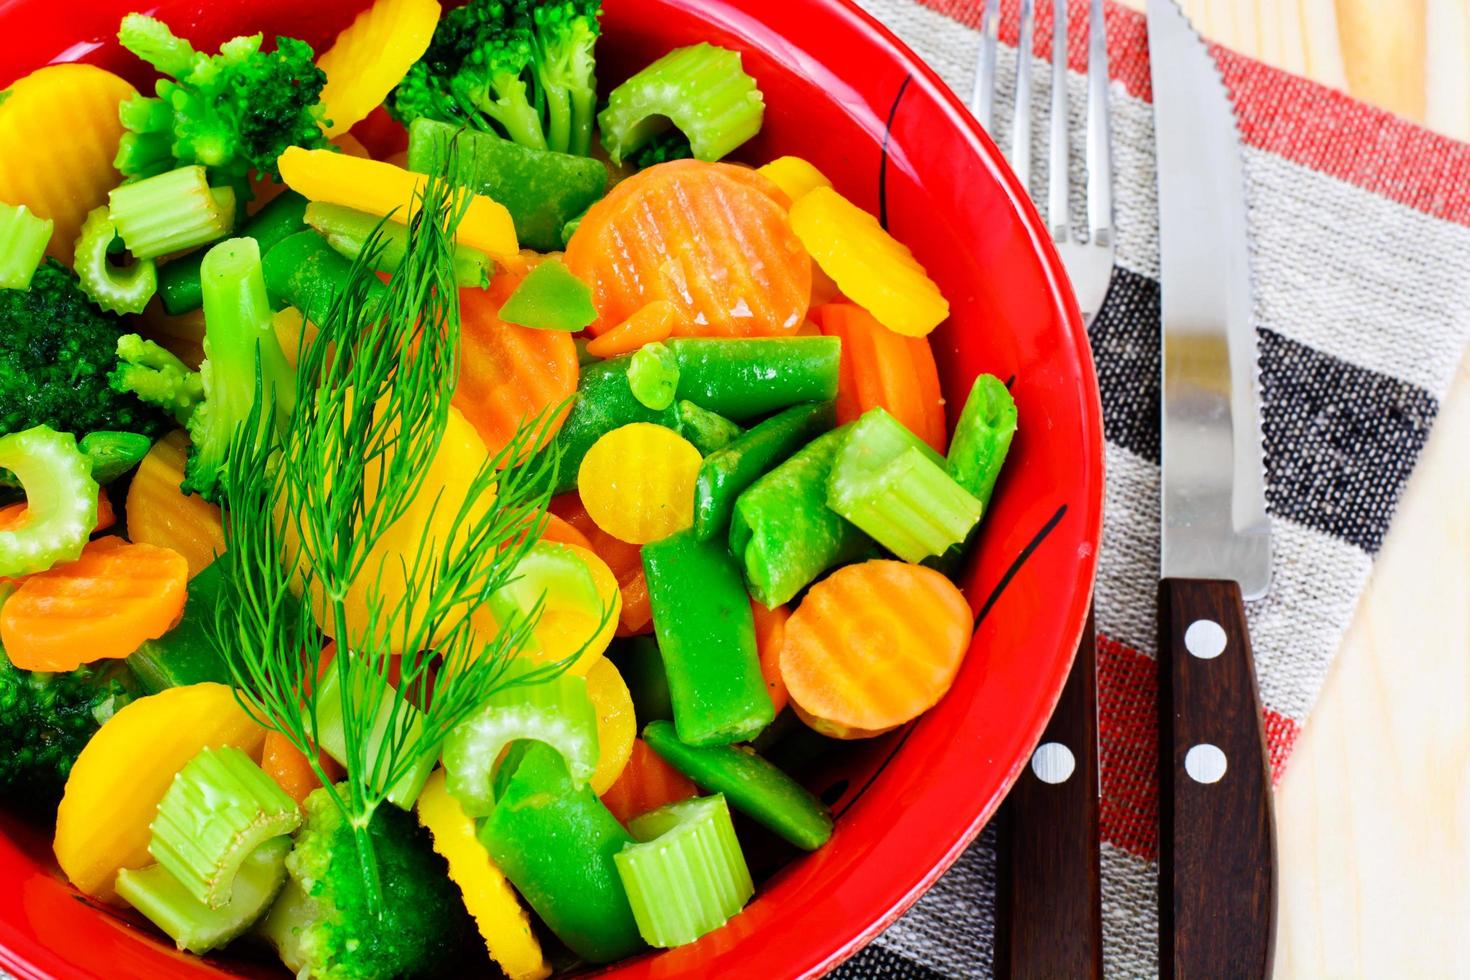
(1217, 852)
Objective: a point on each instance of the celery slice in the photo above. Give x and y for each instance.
(61, 499)
(550, 298)
(701, 89)
(23, 241)
(394, 718)
(218, 810)
(116, 290)
(688, 876)
(194, 926)
(348, 231)
(170, 212)
(894, 487)
(653, 375)
(546, 570)
(555, 711)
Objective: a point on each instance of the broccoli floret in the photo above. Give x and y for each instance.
(46, 719)
(668, 145)
(323, 926)
(157, 376)
(56, 351)
(523, 69)
(233, 112)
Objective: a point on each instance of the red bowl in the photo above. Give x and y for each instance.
(842, 92)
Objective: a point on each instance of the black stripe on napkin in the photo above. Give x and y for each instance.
(875, 962)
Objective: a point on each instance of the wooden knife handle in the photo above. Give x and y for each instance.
(1217, 840)
(1050, 890)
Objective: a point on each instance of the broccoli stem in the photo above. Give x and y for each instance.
(61, 500)
(144, 154)
(584, 115)
(151, 40)
(512, 109)
(559, 120)
(125, 290)
(170, 212)
(23, 241)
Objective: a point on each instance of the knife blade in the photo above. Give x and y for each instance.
(1217, 843)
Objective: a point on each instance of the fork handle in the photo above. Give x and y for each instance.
(1050, 891)
(1217, 847)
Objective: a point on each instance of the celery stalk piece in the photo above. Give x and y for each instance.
(893, 486)
(702, 90)
(23, 241)
(194, 926)
(653, 375)
(61, 500)
(117, 290)
(556, 712)
(218, 810)
(546, 569)
(348, 230)
(550, 298)
(170, 212)
(394, 719)
(982, 436)
(688, 875)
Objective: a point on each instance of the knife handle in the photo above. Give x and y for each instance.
(1050, 888)
(1217, 836)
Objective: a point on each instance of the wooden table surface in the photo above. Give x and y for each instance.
(1373, 814)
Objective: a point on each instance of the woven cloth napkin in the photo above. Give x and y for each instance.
(1360, 234)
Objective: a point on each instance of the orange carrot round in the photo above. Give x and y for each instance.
(647, 782)
(13, 516)
(873, 646)
(652, 323)
(711, 238)
(884, 369)
(625, 560)
(562, 532)
(770, 636)
(288, 766)
(103, 605)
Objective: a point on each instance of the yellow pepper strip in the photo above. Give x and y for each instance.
(794, 175)
(502, 920)
(381, 188)
(371, 55)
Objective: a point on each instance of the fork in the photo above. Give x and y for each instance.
(1049, 894)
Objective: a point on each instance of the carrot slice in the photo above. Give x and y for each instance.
(103, 605)
(161, 514)
(711, 238)
(288, 766)
(509, 374)
(873, 646)
(653, 323)
(647, 782)
(883, 369)
(770, 636)
(624, 559)
(560, 531)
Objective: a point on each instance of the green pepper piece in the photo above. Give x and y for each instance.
(726, 473)
(783, 532)
(751, 784)
(550, 298)
(555, 841)
(178, 280)
(706, 633)
(188, 653)
(541, 189)
(642, 667)
(304, 271)
(746, 378)
(705, 430)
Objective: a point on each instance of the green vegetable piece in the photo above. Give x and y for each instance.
(642, 666)
(705, 430)
(188, 653)
(688, 877)
(550, 298)
(604, 401)
(982, 436)
(555, 711)
(171, 212)
(747, 378)
(157, 376)
(890, 483)
(395, 722)
(113, 453)
(348, 232)
(23, 241)
(701, 90)
(751, 784)
(194, 926)
(305, 272)
(557, 843)
(653, 374)
(726, 473)
(116, 290)
(178, 280)
(570, 228)
(783, 532)
(217, 811)
(61, 499)
(666, 146)
(705, 631)
(543, 191)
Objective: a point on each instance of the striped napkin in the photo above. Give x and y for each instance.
(1360, 227)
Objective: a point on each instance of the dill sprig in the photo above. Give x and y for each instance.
(310, 499)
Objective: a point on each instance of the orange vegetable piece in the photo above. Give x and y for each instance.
(711, 238)
(647, 783)
(182, 336)
(103, 605)
(873, 646)
(13, 516)
(770, 636)
(508, 374)
(562, 532)
(371, 55)
(161, 514)
(624, 559)
(883, 369)
(616, 725)
(653, 323)
(290, 768)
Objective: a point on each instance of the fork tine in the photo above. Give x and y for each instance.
(982, 99)
(1099, 137)
(1060, 150)
(1021, 121)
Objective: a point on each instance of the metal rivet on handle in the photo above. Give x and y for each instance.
(1053, 763)
(1205, 763)
(1205, 639)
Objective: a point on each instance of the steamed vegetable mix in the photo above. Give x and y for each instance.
(337, 588)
